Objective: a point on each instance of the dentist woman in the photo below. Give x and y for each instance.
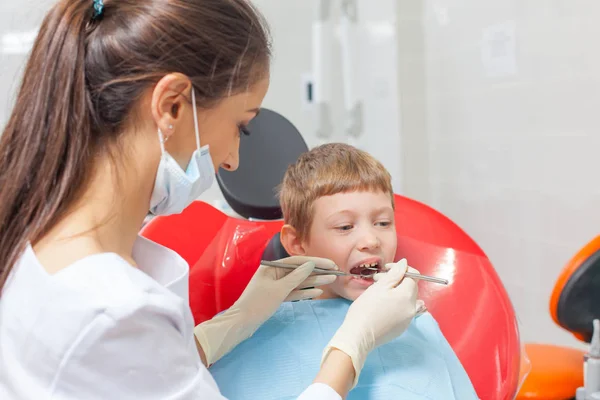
(128, 106)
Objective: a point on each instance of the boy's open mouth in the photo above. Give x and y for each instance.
(366, 270)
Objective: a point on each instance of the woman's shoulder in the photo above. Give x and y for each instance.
(102, 285)
(98, 322)
(99, 306)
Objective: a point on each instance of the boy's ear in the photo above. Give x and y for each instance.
(290, 241)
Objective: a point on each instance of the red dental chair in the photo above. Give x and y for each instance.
(473, 311)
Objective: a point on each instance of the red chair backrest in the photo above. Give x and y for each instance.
(473, 311)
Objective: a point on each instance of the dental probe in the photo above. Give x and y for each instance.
(342, 273)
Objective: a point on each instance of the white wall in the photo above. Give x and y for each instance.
(501, 105)
(19, 20)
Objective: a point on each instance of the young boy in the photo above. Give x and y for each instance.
(338, 203)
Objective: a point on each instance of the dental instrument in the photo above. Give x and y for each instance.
(427, 278)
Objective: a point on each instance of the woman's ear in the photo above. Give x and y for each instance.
(291, 242)
(167, 101)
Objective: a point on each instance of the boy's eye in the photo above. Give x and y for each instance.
(384, 223)
(344, 227)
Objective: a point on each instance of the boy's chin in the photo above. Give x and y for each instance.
(351, 288)
(352, 293)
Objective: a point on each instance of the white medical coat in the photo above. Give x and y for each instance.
(102, 329)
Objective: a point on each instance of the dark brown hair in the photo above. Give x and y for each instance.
(82, 81)
(324, 171)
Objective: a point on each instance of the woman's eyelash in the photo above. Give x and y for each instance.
(244, 129)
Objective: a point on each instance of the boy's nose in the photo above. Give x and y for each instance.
(369, 241)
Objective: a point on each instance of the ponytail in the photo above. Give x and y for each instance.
(45, 150)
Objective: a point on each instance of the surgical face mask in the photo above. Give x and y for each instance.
(174, 188)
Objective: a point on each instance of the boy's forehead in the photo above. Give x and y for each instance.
(354, 201)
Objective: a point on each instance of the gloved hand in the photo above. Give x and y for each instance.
(383, 312)
(268, 288)
(420, 304)
(421, 307)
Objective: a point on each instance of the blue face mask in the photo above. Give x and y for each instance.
(174, 188)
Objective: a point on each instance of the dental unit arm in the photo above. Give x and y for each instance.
(557, 372)
(322, 42)
(348, 42)
(322, 51)
(591, 368)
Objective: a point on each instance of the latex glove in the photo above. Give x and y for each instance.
(420, 304)
(383, 312)
(303, 291)
(267, 289)
(421, 307)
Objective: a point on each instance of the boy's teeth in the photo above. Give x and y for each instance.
(367, 265)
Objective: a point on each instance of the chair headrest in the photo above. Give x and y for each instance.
(576, 296)
(273, 144)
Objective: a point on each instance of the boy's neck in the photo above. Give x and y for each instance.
(327, 294)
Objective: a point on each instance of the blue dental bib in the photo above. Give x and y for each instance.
(283, 357)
